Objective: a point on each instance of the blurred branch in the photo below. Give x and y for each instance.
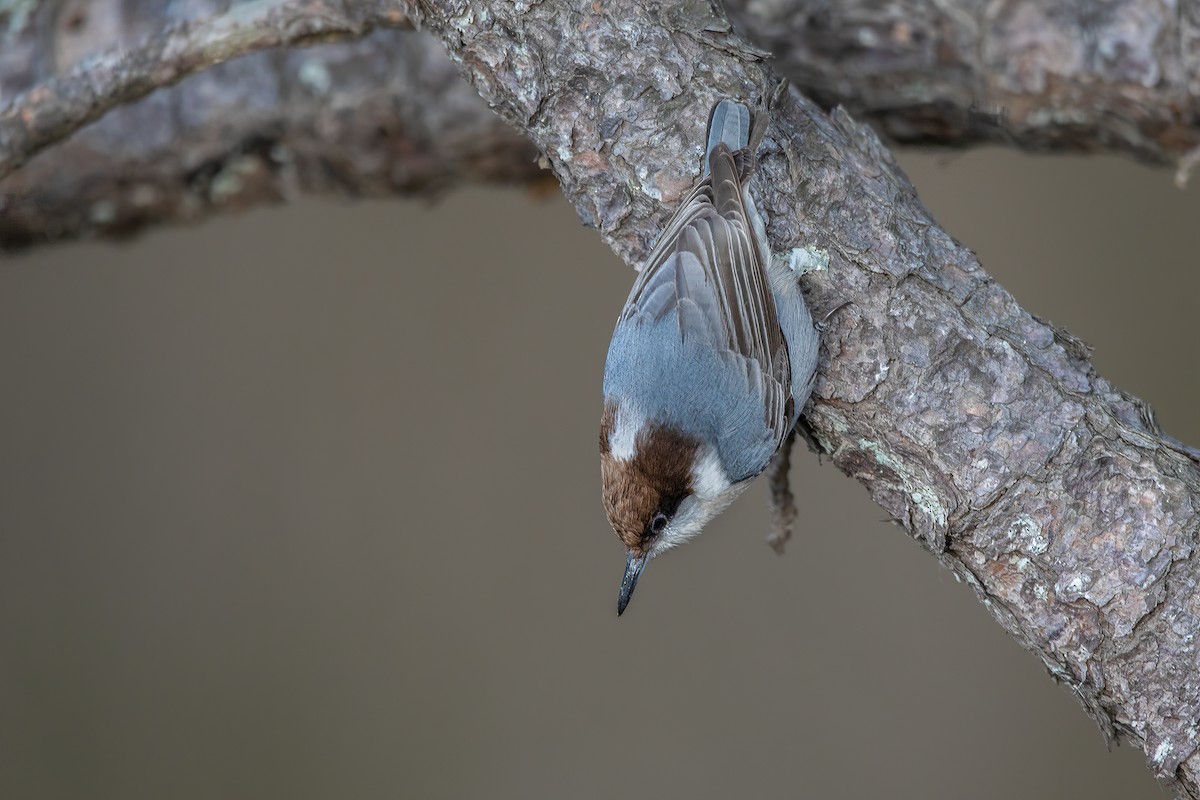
(59, 107)
(366, 118)
(1062, 75)
(983, 430)
(382, 116)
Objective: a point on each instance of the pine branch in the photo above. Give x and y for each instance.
(983, 430)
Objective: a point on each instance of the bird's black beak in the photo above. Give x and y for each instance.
(633, 569)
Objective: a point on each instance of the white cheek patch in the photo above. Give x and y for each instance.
(674, 536)
(623, 440)
(712, 492)
(708, 477)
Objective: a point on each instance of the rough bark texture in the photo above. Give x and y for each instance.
(982, 429)
(388, 114)
(1043, 74)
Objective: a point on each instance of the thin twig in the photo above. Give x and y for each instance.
(782, 501)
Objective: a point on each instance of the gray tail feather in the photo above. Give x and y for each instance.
(729, 122)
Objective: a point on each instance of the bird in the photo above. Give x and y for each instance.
(712, 359)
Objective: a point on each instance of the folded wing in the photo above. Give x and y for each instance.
(708, 268)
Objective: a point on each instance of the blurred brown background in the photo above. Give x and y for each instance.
(305, 504)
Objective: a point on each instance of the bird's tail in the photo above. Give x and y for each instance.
(729, 122)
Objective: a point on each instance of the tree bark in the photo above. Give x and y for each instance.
(1042, 74)
(983, 430)
(385, 115)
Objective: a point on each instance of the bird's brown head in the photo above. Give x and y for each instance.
(661, 486)
(645, 478)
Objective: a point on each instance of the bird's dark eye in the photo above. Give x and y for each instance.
(658, 523)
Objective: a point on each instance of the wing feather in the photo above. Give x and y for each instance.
(708, 266)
